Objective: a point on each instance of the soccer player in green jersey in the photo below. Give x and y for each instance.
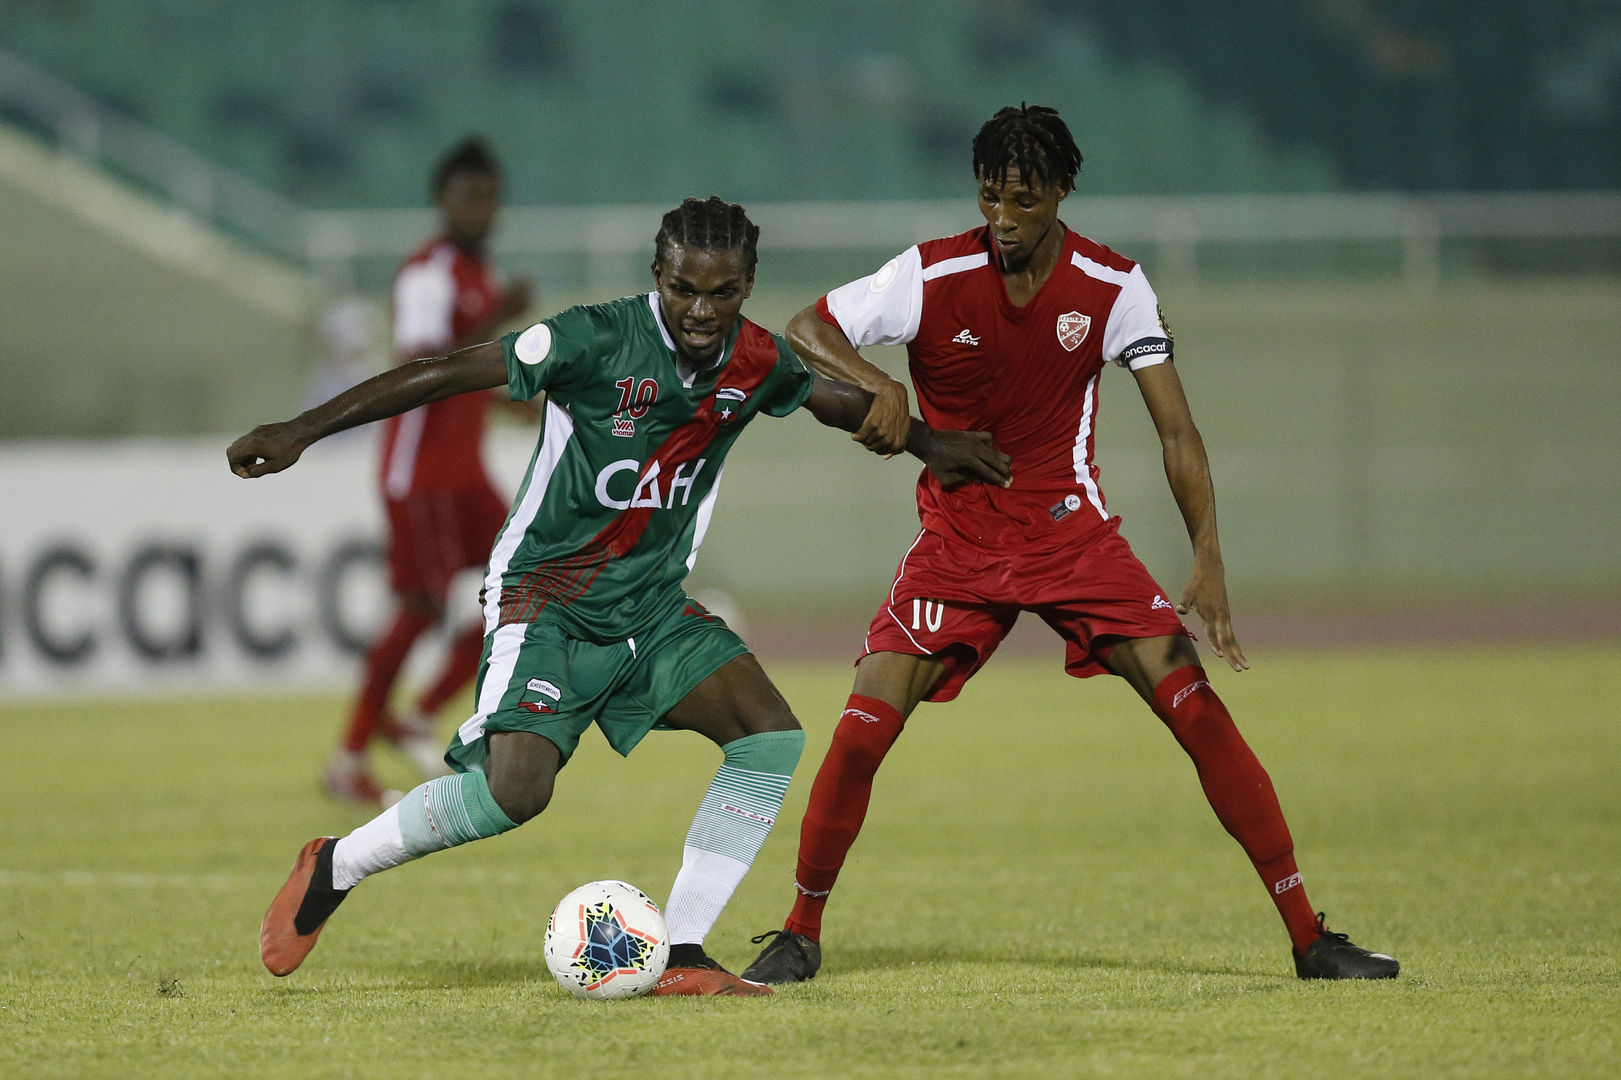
(585, 617)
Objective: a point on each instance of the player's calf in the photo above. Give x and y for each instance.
(442, 813)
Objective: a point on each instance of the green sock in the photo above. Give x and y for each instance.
(732, 822)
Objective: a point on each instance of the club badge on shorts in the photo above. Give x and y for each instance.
(1072, 328)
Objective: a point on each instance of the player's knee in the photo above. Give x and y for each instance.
(861, 745)
(520, 803)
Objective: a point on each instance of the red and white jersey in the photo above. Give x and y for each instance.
(440, 293)
(1029, 375)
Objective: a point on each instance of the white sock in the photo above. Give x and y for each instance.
(703, 886)
(376, 845)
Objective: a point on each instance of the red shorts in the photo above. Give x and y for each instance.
(956, 603)
(433, 535)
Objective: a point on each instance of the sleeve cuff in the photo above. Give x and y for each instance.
(826, 314)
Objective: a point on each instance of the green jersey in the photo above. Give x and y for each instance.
(623, 481)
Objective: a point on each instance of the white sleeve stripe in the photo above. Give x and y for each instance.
(1099, 271)
(1148, 361)
(958, 265)
(424, 304)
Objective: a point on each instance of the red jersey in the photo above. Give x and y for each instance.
(1029, 375)
(440, 293)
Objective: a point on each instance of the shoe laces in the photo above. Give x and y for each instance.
(781, 936)
(1324, 931)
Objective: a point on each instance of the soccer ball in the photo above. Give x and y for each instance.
(607, 940)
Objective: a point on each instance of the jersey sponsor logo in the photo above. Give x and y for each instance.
(533, 345)
(648, 493)
(1161, 602)
(1062, 510)
(1187, 692)
(541, 686)
(965, 338)
(929, 614)
(1286, 884)
(862, 715)
(1072, 329)
(624, 427)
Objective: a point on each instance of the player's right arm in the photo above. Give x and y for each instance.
(825, 348)
(270, 448)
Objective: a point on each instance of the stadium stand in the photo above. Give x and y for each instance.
(340, 106)
(123, 317)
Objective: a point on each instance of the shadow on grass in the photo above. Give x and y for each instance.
(886, 959)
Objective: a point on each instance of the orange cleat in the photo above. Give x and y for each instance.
(301, 909)
(705, 982)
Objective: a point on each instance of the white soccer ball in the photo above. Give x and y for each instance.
(607, 940)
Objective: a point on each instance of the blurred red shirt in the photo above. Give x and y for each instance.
(440, 293)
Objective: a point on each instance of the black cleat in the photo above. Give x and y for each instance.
(1332, 956)
(790, 958)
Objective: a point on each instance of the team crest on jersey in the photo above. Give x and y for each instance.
(1072, 328)
(729, 402)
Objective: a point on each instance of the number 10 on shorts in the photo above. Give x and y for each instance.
(927, 613)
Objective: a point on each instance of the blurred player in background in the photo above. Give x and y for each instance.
(587, 616)
(443, 512)
(1009, 328)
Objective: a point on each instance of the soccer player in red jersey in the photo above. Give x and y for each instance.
(443, 512)
(1009, 328)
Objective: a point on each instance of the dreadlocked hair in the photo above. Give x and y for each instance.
(472, 154)
(711, 224)
(1032, 139)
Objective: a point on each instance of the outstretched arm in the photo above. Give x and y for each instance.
(271, 448)
(953, 456)
(1188, 470)
(825, 348)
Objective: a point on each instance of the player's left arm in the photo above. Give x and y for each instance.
(1188, 471)
(953, 456)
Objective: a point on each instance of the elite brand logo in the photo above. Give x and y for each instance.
(860, 715)
(1161, 602)
(965, 338)
(1072, 329)
(1286, 884)
(1187, 692)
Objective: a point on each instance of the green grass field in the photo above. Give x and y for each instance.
(1040, 891)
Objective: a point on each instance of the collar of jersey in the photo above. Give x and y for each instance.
(669, 342)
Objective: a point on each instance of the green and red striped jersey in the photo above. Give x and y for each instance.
(623, 481)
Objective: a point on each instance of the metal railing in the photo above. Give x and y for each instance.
(1170, 228)
(85, 129)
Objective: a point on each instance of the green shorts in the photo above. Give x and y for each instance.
(535, 677)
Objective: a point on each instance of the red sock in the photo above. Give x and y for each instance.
(383, 662)
(1239, 791)
(461, 664)
(838, 805)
